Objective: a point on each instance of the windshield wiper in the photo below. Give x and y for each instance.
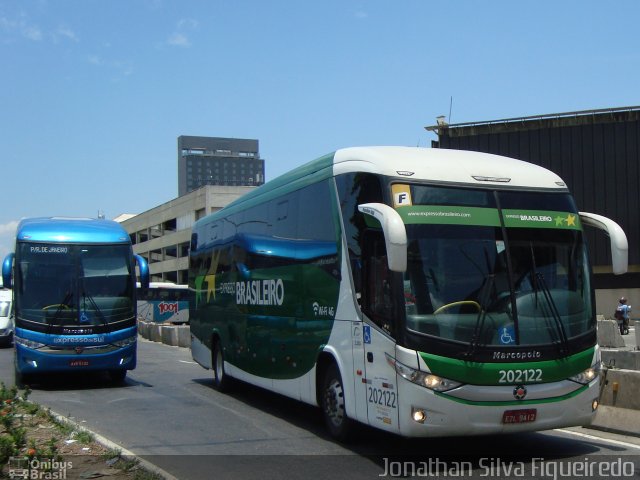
(484, 297)
(555, 314)
(50, 322)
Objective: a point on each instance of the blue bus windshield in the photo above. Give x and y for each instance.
(60, 284)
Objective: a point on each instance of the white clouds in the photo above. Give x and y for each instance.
(123, 68)
(65, 33)
(7, 237)
(94, 60)
(32, 33)
(22, 27)
(179, 38)
(187, 23)
(9, 228)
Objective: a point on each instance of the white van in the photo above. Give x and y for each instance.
(6, 318)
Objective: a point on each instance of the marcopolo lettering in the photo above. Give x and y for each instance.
(260, 292)
(527, 355)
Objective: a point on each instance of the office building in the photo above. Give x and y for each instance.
(162, 235)
(218, 161)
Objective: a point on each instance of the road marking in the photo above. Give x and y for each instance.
(601, 439)
(184, 361)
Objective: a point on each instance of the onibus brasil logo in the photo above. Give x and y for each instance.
(38, 468)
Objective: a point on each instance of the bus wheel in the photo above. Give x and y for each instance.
(21, 380)
(333, 405)
(221, 381)
(117, 376)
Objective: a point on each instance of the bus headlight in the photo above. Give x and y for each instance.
(424, 379)
(125, 342)
(27, 343)
(587, 376)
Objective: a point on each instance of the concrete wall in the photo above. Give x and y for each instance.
(174, 335)
(622, 389)
(607, 301)
(609, 334)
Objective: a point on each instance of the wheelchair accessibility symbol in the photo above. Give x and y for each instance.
(367, 334)
(507, 335)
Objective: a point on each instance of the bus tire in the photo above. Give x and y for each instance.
(20, 379)
(221, 381)
(340, 426)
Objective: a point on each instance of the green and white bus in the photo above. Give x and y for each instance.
(425, 292)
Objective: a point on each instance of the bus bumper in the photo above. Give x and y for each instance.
(30, 361)
(444, 416)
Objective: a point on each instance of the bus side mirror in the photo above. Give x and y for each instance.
(143, 266)
(395, 233)
(617, 237)
(7, 267)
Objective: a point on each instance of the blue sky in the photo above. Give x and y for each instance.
(93, 94)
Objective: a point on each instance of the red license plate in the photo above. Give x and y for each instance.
(519, 416)
(79, 363)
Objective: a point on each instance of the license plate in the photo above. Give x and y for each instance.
(519, 416)
(79, 363)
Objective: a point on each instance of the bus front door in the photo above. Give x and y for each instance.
(379, 344)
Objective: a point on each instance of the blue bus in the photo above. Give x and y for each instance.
(74, 284)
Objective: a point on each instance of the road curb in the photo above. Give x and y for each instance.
(124, 453)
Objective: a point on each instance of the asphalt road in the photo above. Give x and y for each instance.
(168, 413)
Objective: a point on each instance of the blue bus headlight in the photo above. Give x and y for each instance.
(125, 342)
(424, 379)
(28, 343)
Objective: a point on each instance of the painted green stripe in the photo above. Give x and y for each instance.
(476, 373)
(449, 215)
(513, 403)
(541, 219)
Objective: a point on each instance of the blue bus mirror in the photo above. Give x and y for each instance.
(7, 267)
(143, 266)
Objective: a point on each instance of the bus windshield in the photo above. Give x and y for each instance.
(512, 271)
(74, 284)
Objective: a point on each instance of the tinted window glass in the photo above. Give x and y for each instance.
(316, 213)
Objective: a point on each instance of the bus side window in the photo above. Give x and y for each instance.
(355, 189)
(377, 296)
